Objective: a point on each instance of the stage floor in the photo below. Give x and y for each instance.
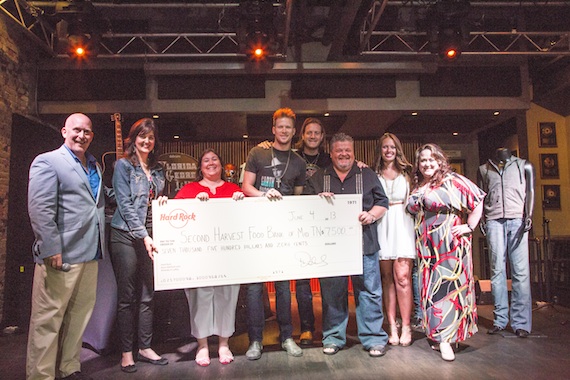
(544, 355)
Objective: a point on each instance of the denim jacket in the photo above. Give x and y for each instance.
(131, 191)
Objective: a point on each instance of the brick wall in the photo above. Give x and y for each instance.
(18, 59)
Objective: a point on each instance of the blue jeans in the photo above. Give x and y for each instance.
(507, 238)
(368, 298)
(256, 314)
(305, 304)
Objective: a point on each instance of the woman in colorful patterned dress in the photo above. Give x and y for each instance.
(396, 237)
(448, 207)
(212, 308)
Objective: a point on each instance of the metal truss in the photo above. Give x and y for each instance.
(480, 43)
(169, 45)
(31, 19)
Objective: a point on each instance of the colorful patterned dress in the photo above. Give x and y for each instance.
(447, 288)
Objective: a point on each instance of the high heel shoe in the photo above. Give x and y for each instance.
(406, 337)
(446, 350)
(393, 339)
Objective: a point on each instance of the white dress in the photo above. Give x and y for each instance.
(396, 233)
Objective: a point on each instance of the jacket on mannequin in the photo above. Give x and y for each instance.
(509, 183)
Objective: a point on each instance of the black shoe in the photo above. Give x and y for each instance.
(377, 351)
(495, 330)
(77, 376)
(522, 333)
(161, 361)
(129, 368)
(417, 323)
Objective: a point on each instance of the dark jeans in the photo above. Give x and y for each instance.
(135, 289)
(256, 315)
(305, 304)
(416, 290)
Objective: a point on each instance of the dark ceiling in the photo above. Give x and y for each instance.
(345, 35)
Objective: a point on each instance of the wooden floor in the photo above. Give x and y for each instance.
(544, 355)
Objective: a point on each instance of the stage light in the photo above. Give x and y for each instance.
(259, 53)
(256, 32)
(80, 46)
(450, 42)
(79, 29)
(258, 46)
(448, 31)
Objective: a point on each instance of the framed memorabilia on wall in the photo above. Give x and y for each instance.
(547, 135)
(551, 197)
(458, 166)
(549, 166)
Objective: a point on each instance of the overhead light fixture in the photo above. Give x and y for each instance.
(258, 46)
(79, 28)
(155, 116)
(414, 114)
(245, 136)
(176, 137)
(326, 114)
(256, 30)
(496, 113)
(448, 30)
(455, 133)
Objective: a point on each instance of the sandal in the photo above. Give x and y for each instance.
(225, 356)
(393, 339)
(201, 359)
(330, 349)
(377, 351)
(406, 337)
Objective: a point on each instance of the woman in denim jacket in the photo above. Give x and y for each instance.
(138, 179)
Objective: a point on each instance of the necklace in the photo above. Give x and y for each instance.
(274, 168)
(309, 162)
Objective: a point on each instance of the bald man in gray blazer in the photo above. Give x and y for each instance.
(66, 207)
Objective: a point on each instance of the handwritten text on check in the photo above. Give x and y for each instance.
(222, 241)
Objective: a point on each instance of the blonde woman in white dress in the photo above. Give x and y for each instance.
(396, 237)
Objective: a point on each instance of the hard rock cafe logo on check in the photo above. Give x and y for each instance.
(178, 218)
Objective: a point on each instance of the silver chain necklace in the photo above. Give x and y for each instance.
(274, 168)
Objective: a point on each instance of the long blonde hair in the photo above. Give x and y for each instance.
(401, 162)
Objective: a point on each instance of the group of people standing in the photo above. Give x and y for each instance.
(423, 213)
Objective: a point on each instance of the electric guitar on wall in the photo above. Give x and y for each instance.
(109, 158)
(108, 163)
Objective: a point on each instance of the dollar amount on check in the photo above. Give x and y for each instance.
(222, 241)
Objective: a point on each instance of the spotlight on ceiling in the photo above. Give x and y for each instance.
(82, 41)
(79, 29)
(448, 31)
(258, 46)
(256, 30)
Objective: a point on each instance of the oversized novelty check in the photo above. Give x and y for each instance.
(222, 241)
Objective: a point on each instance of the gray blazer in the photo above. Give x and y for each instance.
(66, 218)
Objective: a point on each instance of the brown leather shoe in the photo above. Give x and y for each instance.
(306, 338)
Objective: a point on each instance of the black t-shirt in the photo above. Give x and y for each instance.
(276, 169)
(315, 162)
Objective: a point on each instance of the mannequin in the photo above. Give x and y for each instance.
(507, 218)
